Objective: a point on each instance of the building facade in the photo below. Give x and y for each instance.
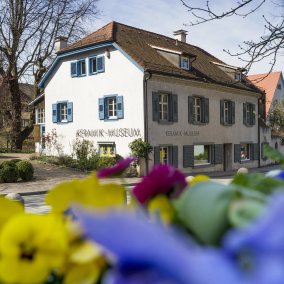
(121, 83)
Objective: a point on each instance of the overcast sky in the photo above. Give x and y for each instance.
(166, 16)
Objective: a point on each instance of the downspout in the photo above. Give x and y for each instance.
(147, 76)
(261, 103)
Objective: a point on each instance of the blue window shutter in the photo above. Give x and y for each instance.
(69, 112)
(100, 63)
(54, 113)
(119, 107)
(78, 68)
(73, 69)
(91, 69)
(101, 108)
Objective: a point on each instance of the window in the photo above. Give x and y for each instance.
(78, 68)
(245, 152)
(165, 154)
(202, 154)
(198, 110)
(40, 117)
(62, 112)
(184, 62)
(111, 107)
(227, 112)
(107, 149)
(238, 76)
(165, 107)
(96, 65)
(25, 123)
(249, 114)
(279, 87)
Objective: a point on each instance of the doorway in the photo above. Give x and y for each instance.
(228, 157)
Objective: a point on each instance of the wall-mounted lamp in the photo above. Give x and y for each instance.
(108, 53)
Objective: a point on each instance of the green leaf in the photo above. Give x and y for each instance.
(203, 209)
(258, 182)
(273, 154)
(243, 211)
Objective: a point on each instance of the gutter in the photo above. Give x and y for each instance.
(147, 76)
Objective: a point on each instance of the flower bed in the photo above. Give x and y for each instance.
(171, 232)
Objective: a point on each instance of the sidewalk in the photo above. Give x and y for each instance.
(47, 176)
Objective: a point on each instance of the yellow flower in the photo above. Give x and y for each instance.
(85, 263)
(198, 178)
(89, 192)
(160, 205)
(31, 246)
(8, 210)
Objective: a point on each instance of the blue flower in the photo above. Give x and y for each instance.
(259, 248)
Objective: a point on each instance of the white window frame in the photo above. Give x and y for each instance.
(184, 62)
(40, 115)
(164, 107)
(80, 63)
(209, 158)
(249, 113)
(63, 112)
(111, 107)
(197, 109)
(227, 112)
(238, 76)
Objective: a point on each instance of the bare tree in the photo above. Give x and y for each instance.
(27, 32)
(268, 46)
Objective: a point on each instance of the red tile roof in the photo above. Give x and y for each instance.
(137, 44)
(268, 83)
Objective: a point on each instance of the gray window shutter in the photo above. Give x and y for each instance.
(190, 110)
(119, 106)
(232, 112)
(218, 154)
(155, 106)
(188, 156)
(244, 114)
(101, 108)
(253, 115)
(174, 156)
(237, 153)
(206, 110)
(222, 111)
(255, 151)
(175, 108)
(54, 113)
(73, 69)
(156, 155)
(69, 111)
(100, 63)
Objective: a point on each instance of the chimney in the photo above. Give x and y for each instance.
(60, 42)
(180, 35)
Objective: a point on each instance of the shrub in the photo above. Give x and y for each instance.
(104, 162)
(9, 163)
(9, 174)
(140, 148)
(26, 170)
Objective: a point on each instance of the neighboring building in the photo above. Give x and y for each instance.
(26, 92)
(272, 84)
(120, 83)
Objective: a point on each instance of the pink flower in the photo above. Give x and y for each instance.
(163, 179)
(117, 169)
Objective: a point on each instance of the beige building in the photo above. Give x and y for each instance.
(121, 82)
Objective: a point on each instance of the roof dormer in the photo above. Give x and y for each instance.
(236, 73)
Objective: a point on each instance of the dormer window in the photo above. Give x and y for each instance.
(184, 62)
(238, 76)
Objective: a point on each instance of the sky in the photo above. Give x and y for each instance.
(165, 16)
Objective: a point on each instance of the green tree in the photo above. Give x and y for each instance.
(276, 119)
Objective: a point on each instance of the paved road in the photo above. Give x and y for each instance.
(35, 203)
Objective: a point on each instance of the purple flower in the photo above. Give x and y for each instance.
(117, 169)
(163, 179)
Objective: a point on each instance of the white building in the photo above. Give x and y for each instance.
(120, 83)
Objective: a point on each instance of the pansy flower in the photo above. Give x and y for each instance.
(163, 179)
(117, 169)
